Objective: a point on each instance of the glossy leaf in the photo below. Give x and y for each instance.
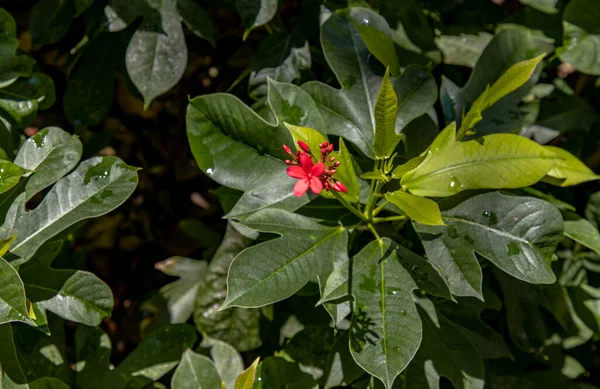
(276, 269)
(444, 352)
(380, 45)
(386, 109)
(581, 37)
(13, 306)
(196, 18)
(411, 164)
(50, 20)
(50, 154)
(181, 294)
(97, 186)
(419, 209)
(491, 162)
(73, 295)
(310, 136)
(246, 379)
(385, 332)
(582, 231)
(156, 61)
(10, 175)
(514, 233)
(255, 13)
(195, 371)
(569, 170)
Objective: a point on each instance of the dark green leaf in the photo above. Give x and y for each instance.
(581, 231)
(464, 49)
(386, 110)
(255, 13)
(196, 18)
(49, 20)
(548, 6)
(92, 349)
(277, 373)
(13, 305)
(227, 360)
(10, 175)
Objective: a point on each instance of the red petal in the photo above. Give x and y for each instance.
(306, 163)
(316, 185)
(304, 146)
(300, 188)
(296, 172)
(342, 187)
(318, 169)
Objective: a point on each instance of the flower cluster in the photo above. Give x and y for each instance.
(314, 174)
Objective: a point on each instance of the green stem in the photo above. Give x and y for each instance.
(350, 207)
(374, 231)
(373, 201)
(377, 220)
(380, 208)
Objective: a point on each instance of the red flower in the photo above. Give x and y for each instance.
(307, 174)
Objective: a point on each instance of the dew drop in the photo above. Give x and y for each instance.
(394, 292)
(455, 185)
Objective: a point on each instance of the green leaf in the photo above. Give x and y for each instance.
(82, 5)
(181, 294)
(277, 373)
(5, 245)
(20, 101)
(464, 49)
(376, 175)
(345, 173)
(276, 269)
(309, 348)
(227, 360)
(49, 20)
(156, 61)
(380, 45)
(11, 372)
(412, 163)
(386, 331)
(419, 209)
(566, 113)
(491, 162)
(569, 170)
(341, 368)
(197, 19)
(153, 358)
(97, 186)
(10, 175)
(581, 37)
(92, 350)
(310, 136)
(581, 231)
(195, 371)
(237, 326)
(90, 86)
(386, 110)
(73, 295)
(246, 379)
(13, 304)
(444, 352)
(291, 104)
(514, 233)
(51, 153)
(547, 6)
(255, 13)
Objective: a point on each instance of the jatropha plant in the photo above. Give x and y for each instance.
(405, 235)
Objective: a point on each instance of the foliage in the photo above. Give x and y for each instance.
(431, 220)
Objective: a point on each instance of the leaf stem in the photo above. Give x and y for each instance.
(350, 207)
(377, 220)
(374, 231)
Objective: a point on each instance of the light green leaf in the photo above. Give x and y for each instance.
(10, 175)
(444, 352)
(345, 173)
(376, 175)
(195, 371)
(581, 231)
(277, 373)
(412, 163)
(97, 186)
(246, 379)
(386, 110)
(310, 136)
(386, 331)
(514, 233)
(419, 209)
(255, 13)
(491, 162)
(156, 61)
(5, 245)
(464, 49)
(227, 360)
(71, 294)
(158, 354)
(274, 270)
(569, 170)
(13, 304)
(380, 45)
(237, 326)
(181, 294)
(51, 153)
(197, 19)
(547, 6)
(581, 37)
(49, 20)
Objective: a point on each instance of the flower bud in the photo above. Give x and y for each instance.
(287, 149)
(289, 162)
(337, 164)
(336, 187)
(342, 187)
(304, 146)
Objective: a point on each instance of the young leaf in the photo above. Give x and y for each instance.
(5, 245)
(276, 269)
(376, 175)
(514, 233)
(255, 13)
(310, 136)
(401, 170)
(246, 379)
(581, 231)
(419, 209)
(379, 44)
(195, 371)
(386, 110)
(386, 331)
(569, 170)
(51, 153)
(515, 77)
(345, 173)
(156, 61)
(491, 162)
(97, 186)
(74, 295)
(10, 174)
(444, 352)
(227, 360)
(13, 304)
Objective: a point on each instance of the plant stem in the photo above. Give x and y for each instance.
(374, 231)
(377, 220)
(380, 208)
(350, 207)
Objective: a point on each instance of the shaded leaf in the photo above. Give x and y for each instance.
(255, 13)
(581, 231)
(92, 350)
(464, 49)
(277, 373)
(581, 38)
(197, 19)
(195, 371)
(49, 20)
(13, 305)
